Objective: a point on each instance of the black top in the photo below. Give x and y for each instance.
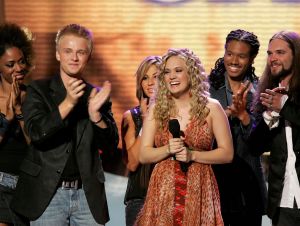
(12, 148)
(138, 180)
(71, 170)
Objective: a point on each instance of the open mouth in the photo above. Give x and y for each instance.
(174, 83)
(275, 65)
(234, 69)
(20, 76)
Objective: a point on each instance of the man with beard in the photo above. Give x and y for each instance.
(277, 127)
(241, 183)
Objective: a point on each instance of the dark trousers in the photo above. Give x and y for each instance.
(132, 209)
(242, 218)
(7, 215)
(286, 216)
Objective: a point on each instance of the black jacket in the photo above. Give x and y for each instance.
(241, 183)
(50, 148)
(263, 139)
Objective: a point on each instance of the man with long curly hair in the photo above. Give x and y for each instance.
(277, 127)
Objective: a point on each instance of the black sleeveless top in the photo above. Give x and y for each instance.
(138, 180)
(13, 147)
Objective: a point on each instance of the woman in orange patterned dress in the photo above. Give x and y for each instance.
(182, 189)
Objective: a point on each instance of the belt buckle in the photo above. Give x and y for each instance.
(66, 185)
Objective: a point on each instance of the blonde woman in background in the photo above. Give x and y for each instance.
(139, 174)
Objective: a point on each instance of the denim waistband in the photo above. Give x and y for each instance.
(8, 180)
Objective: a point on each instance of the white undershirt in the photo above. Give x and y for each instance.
(291, 187)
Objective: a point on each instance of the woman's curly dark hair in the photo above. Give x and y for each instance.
(217, 78)
(12, 35)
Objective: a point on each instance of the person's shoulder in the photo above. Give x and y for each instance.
(213, 103)
(40, 82)
(127, 119)
(215, 108)
(126, 115)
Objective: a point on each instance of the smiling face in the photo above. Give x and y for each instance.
(280, 58)
(12, 64)
(237, 59)
(176, 76)
(149, 81)
(73, 53)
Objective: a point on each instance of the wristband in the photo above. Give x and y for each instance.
(98, 120)
(168, 149)
(19, 117)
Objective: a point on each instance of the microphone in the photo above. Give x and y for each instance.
(174, 129)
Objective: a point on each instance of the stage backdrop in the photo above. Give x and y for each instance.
(126, 31)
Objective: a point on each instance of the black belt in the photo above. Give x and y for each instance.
(70, 184)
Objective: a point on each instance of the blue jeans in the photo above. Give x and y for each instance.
(8, 180)
(132, 209)
(67, 207)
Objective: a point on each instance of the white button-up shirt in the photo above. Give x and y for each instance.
(291, 187)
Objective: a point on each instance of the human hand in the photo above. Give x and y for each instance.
(175, 145)
(75, 89)
(239, 101)
(97, 99)
(185, 155)
(272, 98)
(17, 96)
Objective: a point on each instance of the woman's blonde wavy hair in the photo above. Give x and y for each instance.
(198, 87)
